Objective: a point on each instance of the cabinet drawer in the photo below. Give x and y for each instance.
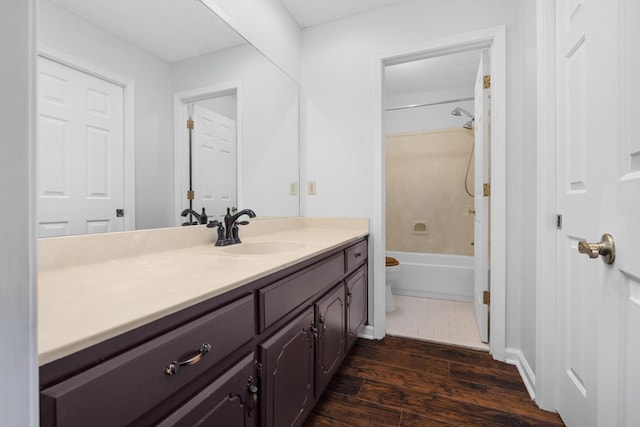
(355, 255)
(280, 298)
(122, 389)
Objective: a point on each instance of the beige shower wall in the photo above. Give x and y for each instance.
(425, 184)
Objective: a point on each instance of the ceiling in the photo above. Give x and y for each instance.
(443, 72)
(313, 12)
(170, 29)
(177, 29)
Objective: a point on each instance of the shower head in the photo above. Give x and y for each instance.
(458, 110)
(469, 124)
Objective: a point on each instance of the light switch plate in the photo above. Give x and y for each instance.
(293, 188)
(311, 188)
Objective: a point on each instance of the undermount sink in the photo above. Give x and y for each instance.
(263, 248)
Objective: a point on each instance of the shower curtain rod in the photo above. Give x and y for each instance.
(404, 107)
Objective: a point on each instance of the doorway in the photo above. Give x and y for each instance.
(207, 156)
(436, 128)
(493, 40)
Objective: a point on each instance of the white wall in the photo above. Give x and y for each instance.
(18, 353)
(224, 105)
(268, 102)
(427, 118)
(338, 115)
(526, 231)
(268, 26)
(72, 35)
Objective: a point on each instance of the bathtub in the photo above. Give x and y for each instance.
(434, 276)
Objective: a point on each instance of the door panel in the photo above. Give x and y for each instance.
(628, 206)
(287, 383)
(214, 162)
(356, 304)
(80, 152)
(332, 331)
(577, 376)
(598, 192)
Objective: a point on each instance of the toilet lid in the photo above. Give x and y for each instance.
(390, 261)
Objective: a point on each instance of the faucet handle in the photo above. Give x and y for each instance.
(242, 222)
(213, 223)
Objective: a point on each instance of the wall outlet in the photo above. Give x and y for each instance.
(311, 188)
(293, 188)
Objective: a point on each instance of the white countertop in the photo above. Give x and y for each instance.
(87, 301)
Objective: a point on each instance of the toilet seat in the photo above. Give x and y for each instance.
(392, 265)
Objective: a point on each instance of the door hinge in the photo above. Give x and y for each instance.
(486, 297)
(559, 221)
(487, 189)
(119, 213)
(486, 81)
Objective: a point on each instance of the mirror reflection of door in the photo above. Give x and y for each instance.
(214, 156)
(80, 152)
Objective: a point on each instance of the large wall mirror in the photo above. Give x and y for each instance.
(119, 81)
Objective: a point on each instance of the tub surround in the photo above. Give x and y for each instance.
(94, 287)
(427, 208)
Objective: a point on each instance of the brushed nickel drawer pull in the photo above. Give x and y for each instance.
(173, 367)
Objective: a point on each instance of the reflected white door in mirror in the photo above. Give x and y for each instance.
(80, 152)
(214, 160)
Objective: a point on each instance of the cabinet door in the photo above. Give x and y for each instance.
(228, 401)
(356, 304)
(331, 336)
(287, 379)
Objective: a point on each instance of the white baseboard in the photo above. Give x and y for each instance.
(516, 357)
(366, 333)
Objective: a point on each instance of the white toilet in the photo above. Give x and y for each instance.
(391, 273)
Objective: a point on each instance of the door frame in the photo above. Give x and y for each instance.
(180, 115)
(494, 39)
(129, 149)
(546, 357)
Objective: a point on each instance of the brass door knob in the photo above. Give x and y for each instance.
(605, 248)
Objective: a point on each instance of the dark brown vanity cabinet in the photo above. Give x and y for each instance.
(288, 372)
(231, 400)
(259, 355)
(356, 304)
(300, 360)
(330, 337)
(129, 387)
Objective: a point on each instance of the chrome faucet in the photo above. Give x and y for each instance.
(231, 227)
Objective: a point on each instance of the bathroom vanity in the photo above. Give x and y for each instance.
(256, 347)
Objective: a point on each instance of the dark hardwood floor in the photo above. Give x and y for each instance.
(401, 382)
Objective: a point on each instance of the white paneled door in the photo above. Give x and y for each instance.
(80, 152)
(214, 162)
(481, 204)
(598, 175)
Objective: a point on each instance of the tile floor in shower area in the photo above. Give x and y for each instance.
(450, 322)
